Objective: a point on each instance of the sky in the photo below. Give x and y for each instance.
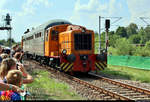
(31, 13)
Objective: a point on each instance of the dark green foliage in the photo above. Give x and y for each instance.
(132, 29)
(123, 47)
(121, 31)
(135, 39)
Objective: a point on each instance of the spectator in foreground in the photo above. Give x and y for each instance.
(13, 77)
(9, 64)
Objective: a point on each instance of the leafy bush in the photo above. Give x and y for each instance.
(123, 47)
(112, 51)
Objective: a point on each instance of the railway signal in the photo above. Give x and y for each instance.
(7, 26)
(107, 26)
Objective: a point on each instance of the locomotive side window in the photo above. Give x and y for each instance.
(46, 35)
(54, 35)
(38, 35)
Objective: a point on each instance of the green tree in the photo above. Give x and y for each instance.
(143, 51)
(142, 34)
(147, 33)
(2, 42)
(121, 31)
(103, 40)
(132, 29)
(135, 39)
(147, 46)
(112, 39)
(123, 47)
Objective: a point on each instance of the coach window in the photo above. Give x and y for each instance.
(40, 34)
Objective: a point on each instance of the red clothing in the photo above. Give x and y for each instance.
(9, 95)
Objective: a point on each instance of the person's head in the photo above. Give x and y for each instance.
(4, 56)
(7, 51)
(19, 49)
(14, 47)
(1, 49)
(14, 77)
(17, 46)
(17, 55)
(7, 65)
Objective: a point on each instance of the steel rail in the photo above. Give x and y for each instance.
(141, 90)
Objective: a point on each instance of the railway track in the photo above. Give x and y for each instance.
(126, 90)
(101, 88)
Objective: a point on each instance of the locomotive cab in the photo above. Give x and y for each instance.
(79, 45)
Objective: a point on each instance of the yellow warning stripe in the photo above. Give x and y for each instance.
(102, 66)
(65, 66)
(62, 64)
(98, 66)
(69, 67)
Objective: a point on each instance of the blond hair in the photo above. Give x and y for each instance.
(6, 66)
(14, 77)
(4, 56)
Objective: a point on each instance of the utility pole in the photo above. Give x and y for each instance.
(99, 35)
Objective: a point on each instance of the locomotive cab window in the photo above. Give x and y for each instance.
(54, 35)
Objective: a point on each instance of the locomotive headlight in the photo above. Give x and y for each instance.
(83, 57)
(71, 58)
(64, 51)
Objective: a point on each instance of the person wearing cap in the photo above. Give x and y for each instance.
(7, 50)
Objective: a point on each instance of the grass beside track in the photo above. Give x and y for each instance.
(128, 73)
(52, 89)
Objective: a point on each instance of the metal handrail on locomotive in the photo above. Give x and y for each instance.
(62, 45)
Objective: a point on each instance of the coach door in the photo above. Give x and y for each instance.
(47, 49)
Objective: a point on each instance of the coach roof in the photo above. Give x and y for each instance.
(46, 25)
(53, 23)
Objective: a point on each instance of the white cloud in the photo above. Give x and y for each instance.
(89, 13)
(30, 6)
(138, 8)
